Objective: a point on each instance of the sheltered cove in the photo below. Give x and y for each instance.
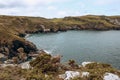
(15, 48)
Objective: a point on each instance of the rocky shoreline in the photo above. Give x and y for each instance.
(55, 70)
(15, 50)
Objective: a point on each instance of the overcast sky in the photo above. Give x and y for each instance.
(59, 8)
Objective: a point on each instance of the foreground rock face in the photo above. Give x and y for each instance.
(72, 74)
(25, 65)
(85, 74)
(92, 71)
(11, 50)
(85, 63)
(27, 46)
(8, 65)
(111, 76)
(69, 75)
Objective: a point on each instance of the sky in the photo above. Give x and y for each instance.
(59, 8)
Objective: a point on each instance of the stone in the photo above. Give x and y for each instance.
(85, 63)
(25, 65)
(62, 76)
(69, 75)
(6, 50)
(2, 55)
(85, 74)
(6, 65)
(111, 76)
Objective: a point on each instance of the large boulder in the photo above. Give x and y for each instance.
(25, 65)
(69, 75)
(85, 74)
(85, 63)
(2, 57)
(111, 76)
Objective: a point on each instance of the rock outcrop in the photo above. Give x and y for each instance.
(11, 50)
(69, 75)
(25, 65)
(111, 76)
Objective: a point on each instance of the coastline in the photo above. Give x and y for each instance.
(15, 49)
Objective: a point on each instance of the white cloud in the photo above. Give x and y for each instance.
(5, 2)
(82, 5)
(7, 11)
(29, 3)
(68, 13)
(51, 8)
(105, 2)
(29, 7)
(62, 13)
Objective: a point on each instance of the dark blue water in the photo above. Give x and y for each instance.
(100, 46)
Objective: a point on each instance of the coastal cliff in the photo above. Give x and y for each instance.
(14, 48)
(20, 25)
(13, 29)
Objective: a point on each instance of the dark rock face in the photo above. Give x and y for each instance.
(27, 46)
(11, 51)
(22, 35)
(17, 50)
